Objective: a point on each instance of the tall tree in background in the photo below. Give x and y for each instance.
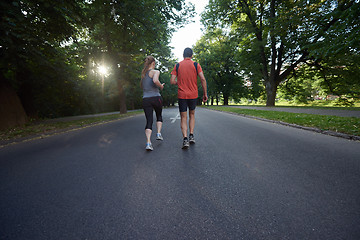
(282, 35)
(336, 58)
(31, 61)
(217, 53)
(125, 30)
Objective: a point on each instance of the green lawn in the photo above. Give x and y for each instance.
(322, 104)
(348, 125)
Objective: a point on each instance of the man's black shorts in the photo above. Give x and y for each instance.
(187, 103)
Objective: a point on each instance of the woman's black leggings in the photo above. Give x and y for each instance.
(150, 104)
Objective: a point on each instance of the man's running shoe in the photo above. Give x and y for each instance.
(149, 147)
(191, 138)
(159, 137)
(185, 143)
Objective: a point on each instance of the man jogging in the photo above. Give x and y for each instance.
(185, 75)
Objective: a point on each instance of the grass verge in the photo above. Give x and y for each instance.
(347, 125)
(302, 106)
(311, 104)
(34, 129)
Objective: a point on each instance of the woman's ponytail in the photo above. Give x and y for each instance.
(148, 61)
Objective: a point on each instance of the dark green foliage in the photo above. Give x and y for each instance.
(32, 60)
(51, 50)
(218, 54)
(276, 37)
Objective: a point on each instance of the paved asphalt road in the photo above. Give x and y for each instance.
(243, 179)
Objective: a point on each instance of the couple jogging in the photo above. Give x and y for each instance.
(184, 75)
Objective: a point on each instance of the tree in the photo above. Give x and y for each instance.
(204, 56)
(218, 54)
(124, 30)
(31, 35)
(281, 35)
(49, 50)
(300, 86)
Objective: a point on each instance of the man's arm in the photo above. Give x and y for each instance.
(173, 80)
(204, 86)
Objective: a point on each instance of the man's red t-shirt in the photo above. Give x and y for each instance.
(187, 79)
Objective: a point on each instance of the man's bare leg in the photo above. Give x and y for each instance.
(183, 123)
(192, 121)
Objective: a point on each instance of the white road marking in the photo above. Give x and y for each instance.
(174, 118)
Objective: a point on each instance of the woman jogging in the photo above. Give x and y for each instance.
(152, 99)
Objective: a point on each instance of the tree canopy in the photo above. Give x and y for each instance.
(51, 51)
(278, 37)
(217, 53)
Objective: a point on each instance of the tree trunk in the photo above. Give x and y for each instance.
(271, 89)
(12, 112)
(122, 97)
(119, 76)
(226, 100)
(114, 60)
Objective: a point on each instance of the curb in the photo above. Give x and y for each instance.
(326, 132)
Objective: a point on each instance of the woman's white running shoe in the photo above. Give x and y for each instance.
(159, 137)
(149, 147)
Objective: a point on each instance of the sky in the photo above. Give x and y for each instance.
(188, 35)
